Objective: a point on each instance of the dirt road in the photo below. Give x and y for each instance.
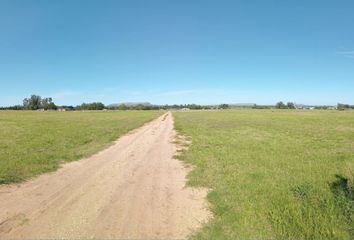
(134, 189)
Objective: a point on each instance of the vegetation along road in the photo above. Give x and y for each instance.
(134, 189)
(274, 174)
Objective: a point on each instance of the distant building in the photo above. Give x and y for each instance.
(185, 109)
(61, 109)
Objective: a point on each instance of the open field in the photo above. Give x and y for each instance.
(32, 143)
(273, 174)
(134, 189)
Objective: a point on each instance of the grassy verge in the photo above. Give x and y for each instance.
(273, 174)
(32, 143)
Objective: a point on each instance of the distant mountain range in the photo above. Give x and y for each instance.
(241, 104)
(130, 104)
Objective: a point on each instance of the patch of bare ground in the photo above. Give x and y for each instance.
(135, 189)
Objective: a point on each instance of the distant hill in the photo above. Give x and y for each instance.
(130, 104)
(241, 104)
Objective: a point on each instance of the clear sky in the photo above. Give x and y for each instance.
(192, 51)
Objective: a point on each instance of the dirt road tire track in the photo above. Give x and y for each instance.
(134, 189)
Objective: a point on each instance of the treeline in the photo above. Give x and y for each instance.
(196, 106)
(281, 105)
(90, 106)
(36, 102)
(341, 106)
(165, 107)
(133, 107)
(291, 105)
(15, 107)
(255, 106)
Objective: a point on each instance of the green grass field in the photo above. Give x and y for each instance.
(274, 174)
(32, 143)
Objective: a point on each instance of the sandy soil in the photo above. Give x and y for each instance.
(134, 189)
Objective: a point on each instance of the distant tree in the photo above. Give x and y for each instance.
(26, 103)
(15, 107)
(280, 105)
(91, 106)
(322, 107)
(255, 106)
(290, 105)
(48, 104)
(32, 103)
(341, 106)
(139, 107)
(195, 106)
(66, 107)
(224, 106)
(52, 106)
(45, 103)
(122, 107)
(98, 106)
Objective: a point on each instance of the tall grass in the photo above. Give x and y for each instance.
(274, 174)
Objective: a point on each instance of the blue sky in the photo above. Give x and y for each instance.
(193, 51)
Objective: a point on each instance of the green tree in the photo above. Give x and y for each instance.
(280, 105)
(32, 103)
(122, 107)
(341, 106)
(47, 103)
(224, 106)
(290, 105)
(91, 106)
